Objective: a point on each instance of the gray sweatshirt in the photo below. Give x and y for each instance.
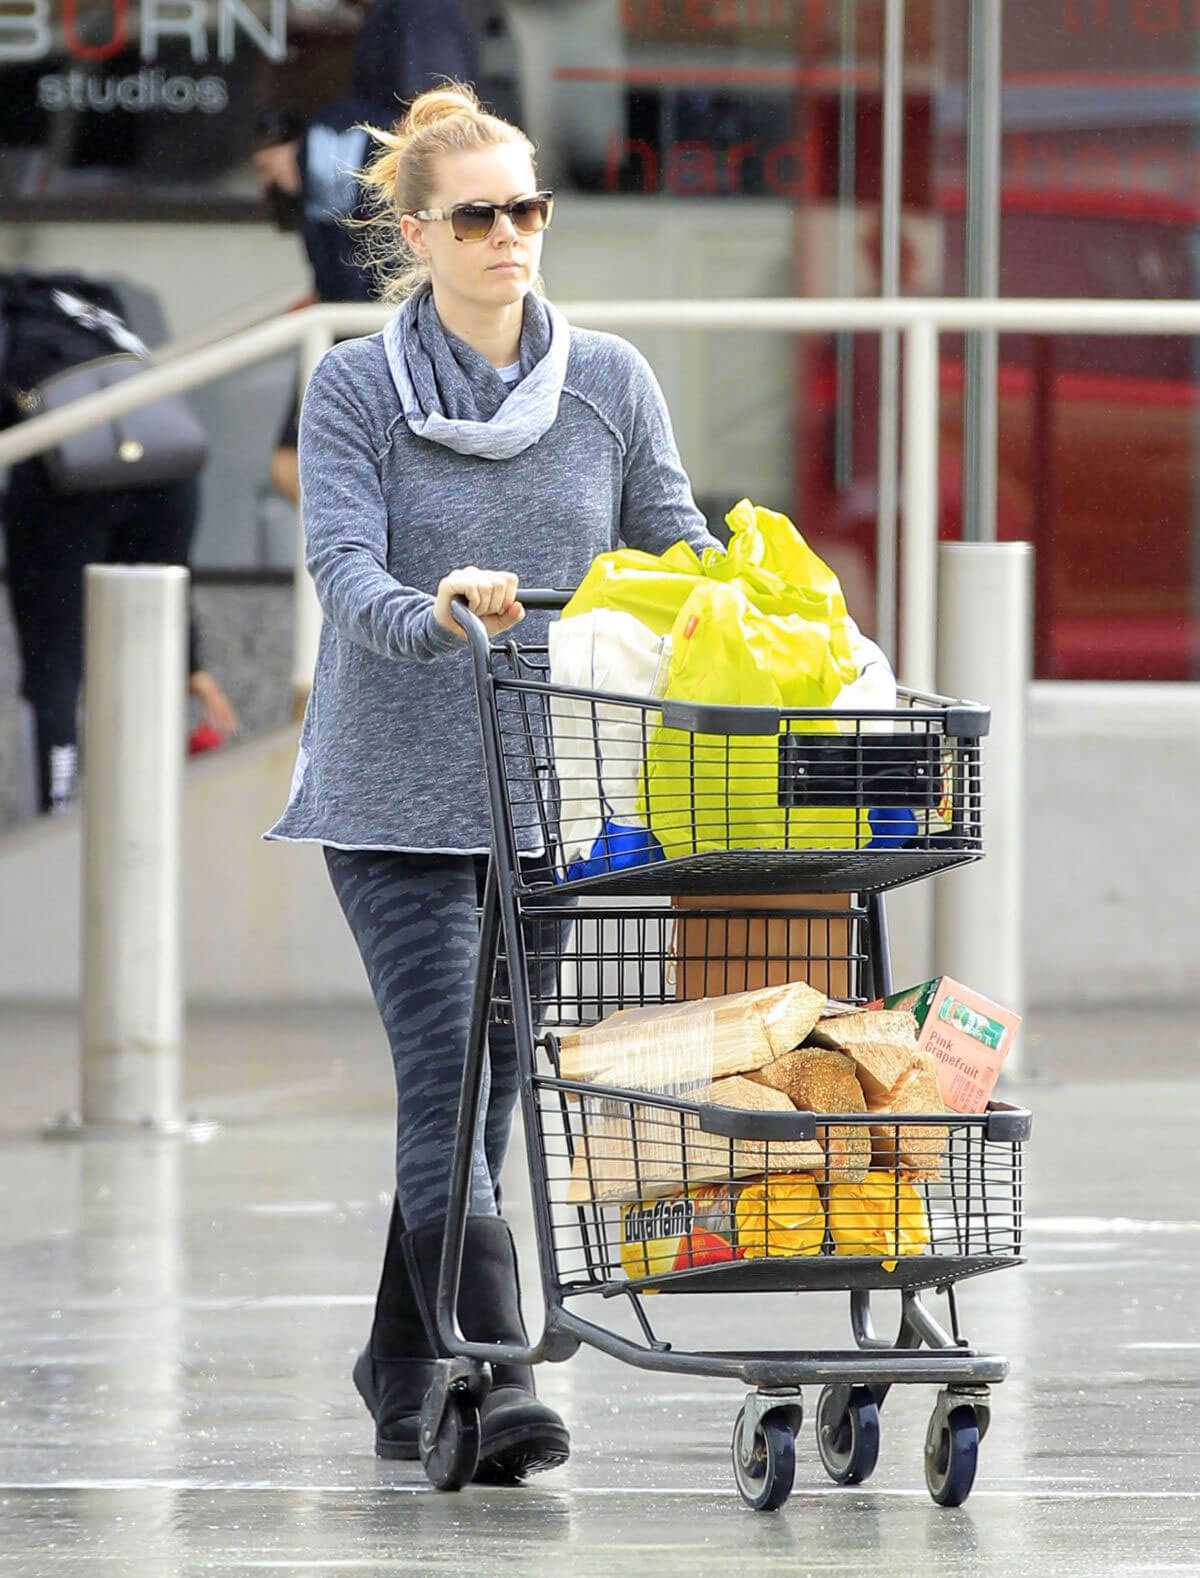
(390, 754)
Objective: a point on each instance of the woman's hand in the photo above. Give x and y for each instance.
(491, 595)
(278, 166)
(218, 709)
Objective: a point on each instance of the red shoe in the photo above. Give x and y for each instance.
(204, 738)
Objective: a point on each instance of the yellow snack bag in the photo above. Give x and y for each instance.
(882, 1216)
(782, 1216)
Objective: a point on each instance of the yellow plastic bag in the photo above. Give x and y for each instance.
(762, 625)
(651, 587)
(882, 1216)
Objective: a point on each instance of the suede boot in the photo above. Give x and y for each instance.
(395, 1369)
(519, 1435)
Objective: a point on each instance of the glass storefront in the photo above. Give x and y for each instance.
(732, 147)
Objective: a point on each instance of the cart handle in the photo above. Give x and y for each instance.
(738, 1123)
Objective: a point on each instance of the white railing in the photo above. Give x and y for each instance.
(920, 320)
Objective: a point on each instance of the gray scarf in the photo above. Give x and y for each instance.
(452, 395)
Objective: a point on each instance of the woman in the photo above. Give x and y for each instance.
(478, 430)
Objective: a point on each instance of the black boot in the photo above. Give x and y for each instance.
(395, 1369)
(519, 1435)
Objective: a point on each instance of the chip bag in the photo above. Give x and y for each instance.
(720, 1222)
(883, 1216)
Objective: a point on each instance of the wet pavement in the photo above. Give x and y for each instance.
(179, 1318)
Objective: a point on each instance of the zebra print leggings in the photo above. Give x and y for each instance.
(413, 917)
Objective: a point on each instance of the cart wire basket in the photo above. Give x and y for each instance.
(681, 852)
(632, 794)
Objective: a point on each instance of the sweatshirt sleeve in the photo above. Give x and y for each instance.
(657, 507)
(346, 529)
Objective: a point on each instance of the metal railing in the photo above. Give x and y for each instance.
(313, 330)
(919, 320)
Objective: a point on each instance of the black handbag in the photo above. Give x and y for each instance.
(159, 443)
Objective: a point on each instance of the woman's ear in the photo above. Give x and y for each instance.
(414, 235)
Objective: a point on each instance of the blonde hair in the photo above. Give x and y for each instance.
(402, 178)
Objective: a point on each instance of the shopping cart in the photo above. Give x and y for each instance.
(859, 802)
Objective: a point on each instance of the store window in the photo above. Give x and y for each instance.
(707, 148)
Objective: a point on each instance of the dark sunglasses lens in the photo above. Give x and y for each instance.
(473, 221)
(531, 215)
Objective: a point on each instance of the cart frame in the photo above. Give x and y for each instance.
(923, 1352)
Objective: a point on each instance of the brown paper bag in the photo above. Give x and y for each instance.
(728, 952)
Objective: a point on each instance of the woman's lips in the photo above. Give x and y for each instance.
(514, 268)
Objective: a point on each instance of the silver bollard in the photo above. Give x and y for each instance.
(132, 999)
(984, 654)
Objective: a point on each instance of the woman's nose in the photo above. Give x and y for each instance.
(504, 230)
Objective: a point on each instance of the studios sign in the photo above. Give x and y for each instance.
(27, 33)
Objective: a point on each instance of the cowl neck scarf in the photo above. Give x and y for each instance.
(452, 395)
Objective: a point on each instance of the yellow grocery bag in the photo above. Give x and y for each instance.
(764, 625)
(781, 1215)
(883, 1216)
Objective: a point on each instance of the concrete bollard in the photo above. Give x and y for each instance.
(132, 987)
(984, 654)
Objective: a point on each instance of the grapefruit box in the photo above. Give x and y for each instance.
(967, 1035)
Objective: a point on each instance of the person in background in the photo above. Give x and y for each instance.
(401, 48)
(50, 539)
(51, 536)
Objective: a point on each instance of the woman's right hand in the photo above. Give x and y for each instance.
(490, 594)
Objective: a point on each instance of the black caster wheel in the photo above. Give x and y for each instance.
(849, 1447)
(452, 1456)
(951, 1456)
(765, 1482)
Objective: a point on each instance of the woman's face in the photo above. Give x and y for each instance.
(501, 269)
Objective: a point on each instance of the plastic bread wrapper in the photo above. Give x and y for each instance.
(697, 1051)
(673, 1048)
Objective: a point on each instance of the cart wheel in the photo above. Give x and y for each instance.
(849, 1447)
(765, 1483)
(450, 1462)
(951, 1456)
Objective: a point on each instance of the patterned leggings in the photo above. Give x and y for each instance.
(414, 919)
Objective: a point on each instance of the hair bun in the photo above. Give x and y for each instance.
(439, 104)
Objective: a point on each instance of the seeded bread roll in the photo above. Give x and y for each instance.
(820, 1081)
(882, 1042)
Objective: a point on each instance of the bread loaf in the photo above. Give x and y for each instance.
(817, 1080)
(913, 1149)
(882, 1042)
(634, 1150)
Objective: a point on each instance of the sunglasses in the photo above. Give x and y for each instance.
(476, 221)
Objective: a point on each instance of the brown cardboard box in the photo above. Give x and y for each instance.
(967, 1034)
(727, 952)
